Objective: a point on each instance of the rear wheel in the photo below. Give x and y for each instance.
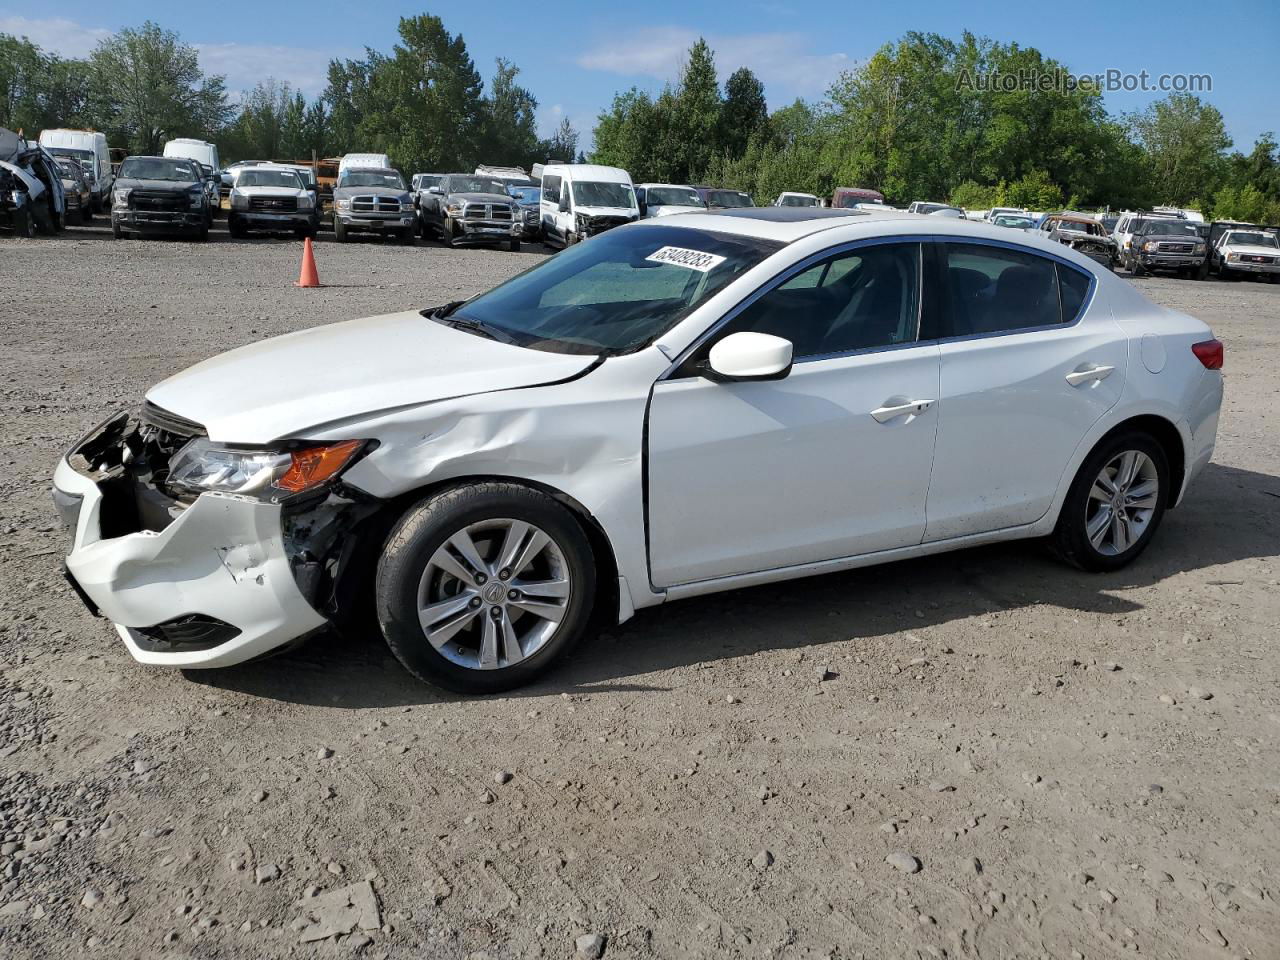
(24, 224)
(406, 236)
(1114, 504)
(481, 588)
(339, 231)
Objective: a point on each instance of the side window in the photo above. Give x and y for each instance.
(864, 298)
(551, 189)
(1073, 286)
(989, 289)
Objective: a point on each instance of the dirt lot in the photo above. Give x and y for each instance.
(685, 787)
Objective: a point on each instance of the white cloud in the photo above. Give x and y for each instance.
(242, 64)
(245, 64)
(783, 61)
(56, 34)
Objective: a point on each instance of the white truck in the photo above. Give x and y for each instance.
(90, 148)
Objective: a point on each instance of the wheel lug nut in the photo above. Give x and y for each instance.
(475, 601)
(481, 578)
(513, 594)
(495, 612)
(504, 574)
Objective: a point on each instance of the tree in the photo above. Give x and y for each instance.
(1035, 191)
(1185, 140)
(694, 132)
(743, 113)
(422, 105)
(38, 89)
(975, 196)
(153, 89)
(563, 144)
(510, 135)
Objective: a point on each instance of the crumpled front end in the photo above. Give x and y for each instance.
(188, 581)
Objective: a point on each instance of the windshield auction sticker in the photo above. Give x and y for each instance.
(692, 259)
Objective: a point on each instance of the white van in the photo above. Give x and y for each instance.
(580, 200)
(364, 161)
(202, 151)
(90, 148)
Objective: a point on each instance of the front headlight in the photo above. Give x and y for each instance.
(121, 195)
(239, 201)
(454, 208)
(406, 206)
(342, 204)
(1150, 246)
(1199, 248)
(305, 201)
(271, 475)
(1233, 256)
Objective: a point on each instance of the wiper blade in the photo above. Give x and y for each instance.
(435, 313)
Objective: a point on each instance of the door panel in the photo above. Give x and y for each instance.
(1009, 422)
(753, 476)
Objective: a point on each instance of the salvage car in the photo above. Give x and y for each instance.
(76, 189)
(1166, 244)
(529, 200)
(1014, 221)
(272, 198)
(372, 200)
(675, 408)
(721, 198)
(848, 198)
(1086, 234)
(791, 199)
(36, 199)
(1240, 253)
(583, 200)
(464, 209)
(160, 195)
(664, 199)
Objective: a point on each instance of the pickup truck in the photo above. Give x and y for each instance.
(1244, 252)
(464, 208)
(372, 200)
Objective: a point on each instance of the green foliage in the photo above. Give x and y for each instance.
(152, 89)
(510, 134)
(1185, 140)
(971, 195)
(1035, 191)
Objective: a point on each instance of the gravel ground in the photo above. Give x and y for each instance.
(984, 754)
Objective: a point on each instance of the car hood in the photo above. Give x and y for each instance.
(174, 186)
(480, 197)
(1250, 250)
(629, 212)
(283, 387)
(403, 195)
(270, 191)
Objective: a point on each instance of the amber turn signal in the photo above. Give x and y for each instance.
(314, 465)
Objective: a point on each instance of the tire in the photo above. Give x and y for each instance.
(86, 213)
(1224, 274)
(1136, 268)
(24, 225)
(202, 234)
(116, 232)
(407, 236)
(409, 578)
(1071, 537)
(570, 238)
(234, 228)
(514, 246)
(339, 231)
(450, 234)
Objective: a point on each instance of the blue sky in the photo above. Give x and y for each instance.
(797, 48)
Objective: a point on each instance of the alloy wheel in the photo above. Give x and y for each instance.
(1121, 502)
(493, 594)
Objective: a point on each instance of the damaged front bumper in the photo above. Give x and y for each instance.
(210, 583)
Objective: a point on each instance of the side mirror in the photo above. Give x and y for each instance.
(437, 191)
(227, 180)
(749, 356)
(564, 204)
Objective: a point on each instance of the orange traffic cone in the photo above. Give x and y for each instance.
(308, 277)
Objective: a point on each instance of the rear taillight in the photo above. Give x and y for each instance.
(1209, 352)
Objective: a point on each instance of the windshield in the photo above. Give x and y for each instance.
(799, 200)
(588, 194)
(527, 194)
(476, 185)
(930, 207)
(673, 197)
(257, 177)
(70, 169)
(729, 198)
(1020, 223)
(75, 154)
(158, 168)
(372, 178)
(1078, 227)
(1252, 239)
(1169, 228)
(426, 181)
(616, 293)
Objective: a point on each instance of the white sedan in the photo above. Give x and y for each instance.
(674, 408)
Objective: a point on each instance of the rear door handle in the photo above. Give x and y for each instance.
(896, 407)
(1087, 372)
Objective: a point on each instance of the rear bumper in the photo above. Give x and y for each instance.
(213, 588)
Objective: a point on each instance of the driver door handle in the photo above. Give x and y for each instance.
(1087, 372)
(900, 408)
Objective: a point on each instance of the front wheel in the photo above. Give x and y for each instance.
(339, 231)
(1114, 504)
(116, 232)
(513, 246)
(481, 588)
